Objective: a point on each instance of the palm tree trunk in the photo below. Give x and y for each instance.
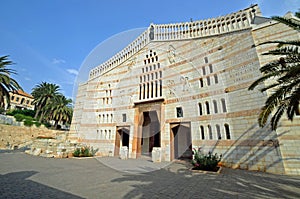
(56, 124)
(37, 113)
(42, 116)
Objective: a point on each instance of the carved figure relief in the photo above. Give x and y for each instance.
(171, 88)
(131, 63)
(171, 54)
(185, 81)
(151, 33)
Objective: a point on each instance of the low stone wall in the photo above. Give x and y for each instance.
(14, 137)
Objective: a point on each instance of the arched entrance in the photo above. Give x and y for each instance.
(181, 141)
(150, 132)
(122, 138)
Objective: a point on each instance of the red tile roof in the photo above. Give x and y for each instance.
(20, 92)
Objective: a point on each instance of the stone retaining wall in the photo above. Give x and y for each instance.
(13, 137)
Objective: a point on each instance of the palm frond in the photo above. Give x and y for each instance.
(281, 43)
(264, 115)
(276, 117)
(289, 22)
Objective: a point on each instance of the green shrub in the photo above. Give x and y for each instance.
(19, 117)
(37, 124)
(84, 151)
(207, 162)
(2, 110)
(76, 153)
(28, 123)
(23, 112)
(47, 124)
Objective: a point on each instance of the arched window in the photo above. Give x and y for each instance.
(201, 83)
(207, 108)
(200, 109)
(205, 59)
(218, 132)
(210, 68)
(215, 106)
(216, 79)
(210, 132)
(203, 71)
(202, 132)
(224, 105)
(208, 81)
(227, 132)
(109, 134)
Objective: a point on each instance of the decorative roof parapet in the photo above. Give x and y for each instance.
(179, 31)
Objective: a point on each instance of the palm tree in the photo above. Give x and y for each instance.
(6, 82)
(59, 110)
(43, 94)
(284, 74)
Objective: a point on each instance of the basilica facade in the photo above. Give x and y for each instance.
(185, 85)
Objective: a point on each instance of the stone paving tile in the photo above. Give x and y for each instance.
(25, 176)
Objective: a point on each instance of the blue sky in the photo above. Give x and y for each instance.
(49, 40)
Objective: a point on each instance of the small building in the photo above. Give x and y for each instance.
(21, 100)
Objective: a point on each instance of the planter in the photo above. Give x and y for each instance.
(217, 171)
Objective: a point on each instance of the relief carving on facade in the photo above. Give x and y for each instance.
(171, 88)
(185, 83)
(171, 54)
(131, 63)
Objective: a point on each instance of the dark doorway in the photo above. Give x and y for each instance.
(181, 141)
(150, 132)
(122, 139)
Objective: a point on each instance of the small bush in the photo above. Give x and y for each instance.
(47, 124)
(23, 112)
(2, 110)
(19, 117)
(28, 122)
(37, 124)
(207, 162)
(84, 151)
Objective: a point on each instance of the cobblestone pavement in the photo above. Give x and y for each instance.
(25, 176)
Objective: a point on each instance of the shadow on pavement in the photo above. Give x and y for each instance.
(183, 183)
(17, 185)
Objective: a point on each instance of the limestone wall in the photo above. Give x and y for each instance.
(18, 136)
(288, 132)
(207, 76)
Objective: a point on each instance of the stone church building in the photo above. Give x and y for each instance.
(185, 85)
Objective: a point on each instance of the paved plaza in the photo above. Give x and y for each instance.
(25, 176)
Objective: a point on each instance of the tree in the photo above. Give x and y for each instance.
(284, 73)
(59, 110)
(7, 83)
(43, 94)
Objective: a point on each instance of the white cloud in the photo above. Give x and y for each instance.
(72, 71)
(27, 78)
(58, 61)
